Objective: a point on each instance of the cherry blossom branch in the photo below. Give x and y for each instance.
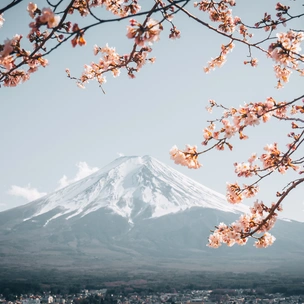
(276, 206)
(40, 46)
(55, 6)
(148, 31)
(13, 71)
(230, 36)
(275, 23)
(100, 21)
(250, 224)
(9, 6)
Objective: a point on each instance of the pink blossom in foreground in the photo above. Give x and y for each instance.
(234, 194)
(15, 78)
(219, 12)
(48, 16)
(253, 62)
(1, 20)
(149, 33)
(282, 73)
(31, 8)
(229, 129)
(286, 52)
(258, 208)
(239, 231)
(9, 45)
(250, 190)
(272, 156)
(117, 7)
(207, 134)
(215, 240)
(186, 158)
(96, 49)
(266, 240)
(243, 169)
(221, 59)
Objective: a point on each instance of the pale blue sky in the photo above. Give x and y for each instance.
(47, 125)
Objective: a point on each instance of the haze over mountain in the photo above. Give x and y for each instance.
(134, 213)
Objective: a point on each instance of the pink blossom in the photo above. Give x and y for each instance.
(48, 16)
(250, 191)
(252, 158)
(264, 241)
(214, 240)
(9, 45)
(31, 8)
(96, 49)
(234, 194)
(244, 169)
(80, 85)
(188, 157)
(149, 33)
(1, 20)
(207, 134)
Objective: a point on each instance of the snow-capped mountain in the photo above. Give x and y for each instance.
(135, 212)
(131, 187)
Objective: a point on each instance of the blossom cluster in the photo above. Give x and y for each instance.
(45, 17)
(246, 169)
(270, 24)
(1, 20)
(286, 53)
(10, 50)
(109, 61)
(219, 12)
(79, 37)
(120, 8)
(143, 34)
(275, 159)
(221, 59)
(12, 55)
(260, 220)
(272, 160)
(112, 62)
(188, 157)
(233, 121)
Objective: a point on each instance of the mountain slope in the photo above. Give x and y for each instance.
(131, 187)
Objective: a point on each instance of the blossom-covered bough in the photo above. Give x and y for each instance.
(233, 123)
(56, 22)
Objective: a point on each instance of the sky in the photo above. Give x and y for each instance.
(53, 133)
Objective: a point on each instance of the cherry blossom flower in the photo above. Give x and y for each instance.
(266, 240)
(234, 194)
(214, 240)
(31, 8)
(1, 20)
(207, 133)
(142, 34)
(48, 16)
(186, 158)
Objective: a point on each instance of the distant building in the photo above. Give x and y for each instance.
(47, 299)
(98, 292)
(31, 301)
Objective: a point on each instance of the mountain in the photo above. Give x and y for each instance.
(132, 187)
(135, 213)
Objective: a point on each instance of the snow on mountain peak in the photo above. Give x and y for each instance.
(131, 187)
